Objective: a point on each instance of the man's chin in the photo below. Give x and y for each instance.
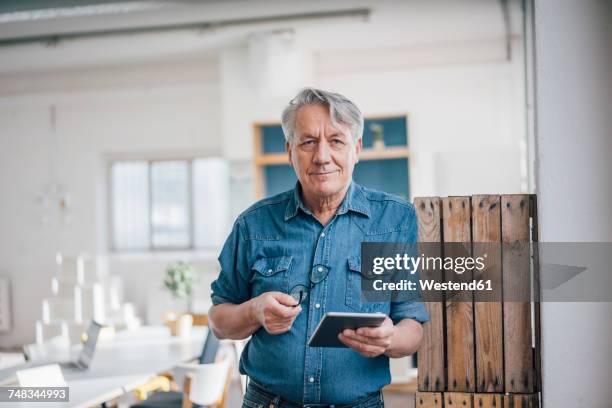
(327, 188)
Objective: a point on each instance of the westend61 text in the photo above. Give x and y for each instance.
(429, 285)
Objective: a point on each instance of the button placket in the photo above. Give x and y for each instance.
(312, 366)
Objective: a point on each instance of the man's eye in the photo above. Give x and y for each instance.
(308, 142)
(337, 141)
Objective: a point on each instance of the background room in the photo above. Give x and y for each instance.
(133, 133)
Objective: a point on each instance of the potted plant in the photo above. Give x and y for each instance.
(379, 137)
(179, 280)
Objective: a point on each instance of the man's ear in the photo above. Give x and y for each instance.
(358, 147)
(288, 149)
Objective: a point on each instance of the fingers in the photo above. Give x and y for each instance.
(374, 333)
(383, 341)
(284, 299)
(278, 314)
(274, 325)
(364, 349)
(384, 330)
(282, 311)
(278, 327)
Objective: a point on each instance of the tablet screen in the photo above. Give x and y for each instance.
(333, 323)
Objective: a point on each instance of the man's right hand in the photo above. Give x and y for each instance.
(275, 311)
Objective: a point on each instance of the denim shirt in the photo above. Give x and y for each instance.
(273, 247)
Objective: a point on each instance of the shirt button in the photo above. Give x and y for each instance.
(311, 379)
(320, 269)
(318, 305)
(270, 271)
(322, 235)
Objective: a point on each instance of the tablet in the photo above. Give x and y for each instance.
(332, 324)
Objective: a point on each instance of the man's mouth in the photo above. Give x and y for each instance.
(322, 173)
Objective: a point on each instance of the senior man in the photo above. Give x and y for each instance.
(295, 256)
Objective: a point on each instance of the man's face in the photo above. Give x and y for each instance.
(323, 156)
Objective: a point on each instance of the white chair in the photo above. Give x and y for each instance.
(206, 384)
(239, 347)
(70, 267)
(43, 376)
(63, 286)
(89, 303)
(46, 331)
(59, 309)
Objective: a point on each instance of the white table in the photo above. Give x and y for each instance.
(122, 364)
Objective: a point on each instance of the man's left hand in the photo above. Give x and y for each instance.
(369, 341)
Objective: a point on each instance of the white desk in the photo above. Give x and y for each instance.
(122, 364)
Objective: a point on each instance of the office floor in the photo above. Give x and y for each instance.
(392, 399)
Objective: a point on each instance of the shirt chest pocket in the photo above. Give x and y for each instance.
(354, 298)
(270, 274)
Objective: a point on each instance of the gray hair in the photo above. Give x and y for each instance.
(341, 110)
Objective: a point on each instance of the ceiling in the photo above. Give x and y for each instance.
(56, 34)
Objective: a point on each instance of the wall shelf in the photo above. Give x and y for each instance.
(273, 174)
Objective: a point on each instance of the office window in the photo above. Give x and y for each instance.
(170, 218)
(169, 204)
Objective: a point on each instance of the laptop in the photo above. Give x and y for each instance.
(84, 358)
(81, 363)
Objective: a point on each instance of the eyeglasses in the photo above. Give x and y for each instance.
(300, 292)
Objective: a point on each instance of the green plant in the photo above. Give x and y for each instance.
(180, 279)
(377, 132)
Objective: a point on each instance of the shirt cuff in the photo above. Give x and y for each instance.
(217, 300)
(409, 310)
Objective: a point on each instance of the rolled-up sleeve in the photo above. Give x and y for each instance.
(232, 285)
(408, 310)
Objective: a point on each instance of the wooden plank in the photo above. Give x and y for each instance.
(428, 400)
(488, 400)
(459, 314)
(518, 355)
(521, 401)
(431, 353)
(457, 400)
(486, 228)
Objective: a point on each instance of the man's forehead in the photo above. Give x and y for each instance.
(314, 118)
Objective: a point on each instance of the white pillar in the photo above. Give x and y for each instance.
(574, 186)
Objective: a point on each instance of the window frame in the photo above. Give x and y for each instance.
(189, 160)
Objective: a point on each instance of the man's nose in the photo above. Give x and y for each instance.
(322, 153)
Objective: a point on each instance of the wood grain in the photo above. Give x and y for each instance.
(428, 400)
(459, 314)
(486, 228)
(457, 400)
(488, 400)
(431, 353)
(521, 401)
(518, 355)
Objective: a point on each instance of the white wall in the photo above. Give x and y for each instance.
(464, 98)
(574, 142)
(443, 64)
(134, 110)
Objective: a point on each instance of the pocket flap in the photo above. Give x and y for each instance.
(354, 263)
(272, 265)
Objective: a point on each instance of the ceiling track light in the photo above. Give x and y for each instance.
(362, 14)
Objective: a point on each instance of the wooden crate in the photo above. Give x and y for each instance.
(475, 351)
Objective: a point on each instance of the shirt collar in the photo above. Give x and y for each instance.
(354, 200)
